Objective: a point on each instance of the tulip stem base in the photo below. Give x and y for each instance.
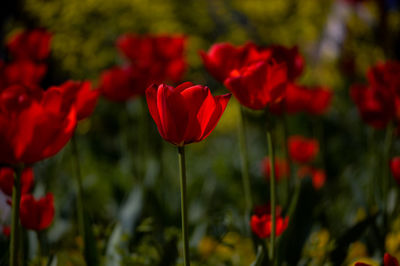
(182, 174)
(16, 197)
(271, 155)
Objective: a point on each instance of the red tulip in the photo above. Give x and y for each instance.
(36, 214)
(281, 168)
(302, 150)
(159, 57)
(30, 45)
(185, 114)
(222, 58)
(376, 105)
(33, 125)
(314, 101)
(7, 180)
(292, 57)
(395, 168)
(121, 84)
(320, 100)
(261, 224)
(6, 231)
(25, 73)
(81, 96)
(385, 75)
(318, 176)
(258, 84)
(389, 260)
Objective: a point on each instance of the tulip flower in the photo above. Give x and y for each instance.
(31, 45)
(80, 95)
(7, 180)
(388, 260)
(6, 231)
(37, 214)
(281, 168)
(395, 168)
(258, 84)
(121, 84)
(376, 105)
(385, 75)
(318, 176)
(261, 223)
(292, 57)
(314, 101)
(26, 73)
(302, 150)
(34, 125)
(160, 57)
(185, 114)
(222, 58)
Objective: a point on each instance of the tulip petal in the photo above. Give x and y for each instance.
(151, 98)
(221, 102)
(173, 113)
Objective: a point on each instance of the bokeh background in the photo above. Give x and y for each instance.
(130, 174)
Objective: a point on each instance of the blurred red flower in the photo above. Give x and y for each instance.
(80, 95)
(7, 180)
(385, 75)
(281, 168)
(34, 125)
(36, 214)
(161, 57)
(31, 45)
(185, 114)
(258, 84)
(6, 230)
(222, 58)
(118, 84)
(25, 73)
(302, 150)
(314, 101)
(317, 176)
(376, 105)
(395, 168)
(388, 260)
(261, 223)
(292, 57)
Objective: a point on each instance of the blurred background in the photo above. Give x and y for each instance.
(130, 174)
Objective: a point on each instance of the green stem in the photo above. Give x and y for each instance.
(182, 175)
(143, 138)
(39, 248)
(16, 197)
(271, 154)
(386, 158)
(80, 206)
(287, 158)
(245, 164)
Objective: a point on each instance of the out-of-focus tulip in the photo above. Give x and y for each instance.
(36, 214)
(33, 125)
(81, 96)
(302, 150)
(261, 223)
(7, 180)
(281, 168)
(259, 84)
(31, 45)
